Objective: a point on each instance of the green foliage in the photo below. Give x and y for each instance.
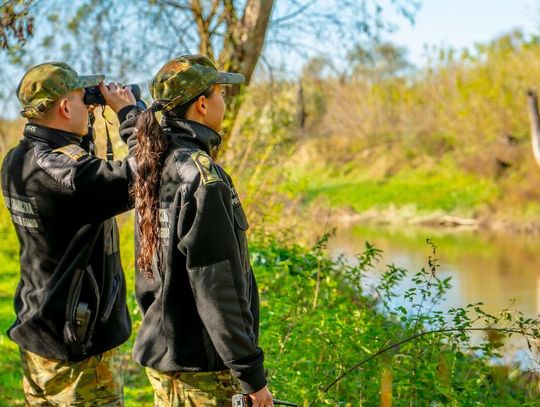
(10, 374)
(318, 321)
(427, 191)
(377, 60)
(257, 154)
(320, 324)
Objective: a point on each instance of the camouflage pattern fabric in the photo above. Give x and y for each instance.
(185, 77)
(193, 389)
(44, 84)
(96, 381)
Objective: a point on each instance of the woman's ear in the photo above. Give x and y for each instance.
(201, 105)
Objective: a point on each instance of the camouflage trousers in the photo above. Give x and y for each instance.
(193, 389)
(96, 381)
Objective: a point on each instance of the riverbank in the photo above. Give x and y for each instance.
(317, 322)
(438, 195)
(496, 268)
(409, 216)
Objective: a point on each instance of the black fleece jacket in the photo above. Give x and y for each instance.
(201, 309)
(70, 301)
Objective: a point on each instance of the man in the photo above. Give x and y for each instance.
(70, 300)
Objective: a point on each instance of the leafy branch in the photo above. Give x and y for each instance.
(532, 334)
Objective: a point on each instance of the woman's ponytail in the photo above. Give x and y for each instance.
(151, 144)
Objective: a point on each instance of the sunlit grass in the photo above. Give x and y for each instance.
(454, 192)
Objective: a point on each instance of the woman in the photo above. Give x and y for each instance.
(195, 285)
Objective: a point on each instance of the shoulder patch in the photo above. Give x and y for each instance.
(206, 167)
(73, 151)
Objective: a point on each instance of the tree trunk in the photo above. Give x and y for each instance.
(242, 49)
(534, 118)
(301, 107)
(253, 28)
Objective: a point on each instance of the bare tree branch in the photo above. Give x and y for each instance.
(174, 4)
(16, 23)
(301, 9)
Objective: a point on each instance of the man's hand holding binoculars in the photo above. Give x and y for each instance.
(116, 96)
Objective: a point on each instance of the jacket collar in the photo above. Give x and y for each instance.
(47, 135)
(193, 131)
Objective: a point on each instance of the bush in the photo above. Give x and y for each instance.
(319, 324)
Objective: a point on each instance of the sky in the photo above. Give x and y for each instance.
(447, 23)
(462, 23)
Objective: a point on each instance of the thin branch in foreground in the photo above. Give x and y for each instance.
(409, 339)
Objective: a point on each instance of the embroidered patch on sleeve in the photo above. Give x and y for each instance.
(206, 167)
(73, 151)
(164, 224)
(235, 198)
(24, 211)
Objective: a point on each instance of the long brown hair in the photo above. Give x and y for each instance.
(151, 144)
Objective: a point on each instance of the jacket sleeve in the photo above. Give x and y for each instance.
(103, 185)
(207, 238)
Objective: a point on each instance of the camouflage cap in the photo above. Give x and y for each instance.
(44, 84)
(185, 77)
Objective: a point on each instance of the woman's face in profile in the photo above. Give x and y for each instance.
(215, 108)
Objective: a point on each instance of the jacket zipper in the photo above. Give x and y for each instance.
(112, 299)
(94, 285)
(71, 311)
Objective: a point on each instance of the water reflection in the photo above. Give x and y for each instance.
(492, 268)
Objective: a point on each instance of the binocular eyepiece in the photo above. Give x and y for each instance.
(93, 96)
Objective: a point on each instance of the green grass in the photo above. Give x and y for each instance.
(137, 390)
(427, 191)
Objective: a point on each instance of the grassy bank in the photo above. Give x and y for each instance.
(427, 191)
(316, 322)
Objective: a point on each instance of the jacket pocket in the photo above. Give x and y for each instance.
(240, 219)
(241, 226)
(116, 282)
(81, 306)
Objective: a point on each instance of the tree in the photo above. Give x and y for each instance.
(16, 23)
(534, 118)
(378, 60)
(126, 36)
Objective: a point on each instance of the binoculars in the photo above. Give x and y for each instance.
(93, 96)
(243, 400)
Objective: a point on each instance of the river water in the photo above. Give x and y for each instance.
(494, 268)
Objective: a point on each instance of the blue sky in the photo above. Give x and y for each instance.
(462, 23)
(454, 23)
(438, 23)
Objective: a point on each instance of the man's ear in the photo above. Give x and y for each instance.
(64, 108)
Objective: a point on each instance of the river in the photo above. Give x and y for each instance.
(494, 268)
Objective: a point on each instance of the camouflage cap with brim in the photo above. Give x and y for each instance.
(42, 85)
(184, 78)
(230, 78)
